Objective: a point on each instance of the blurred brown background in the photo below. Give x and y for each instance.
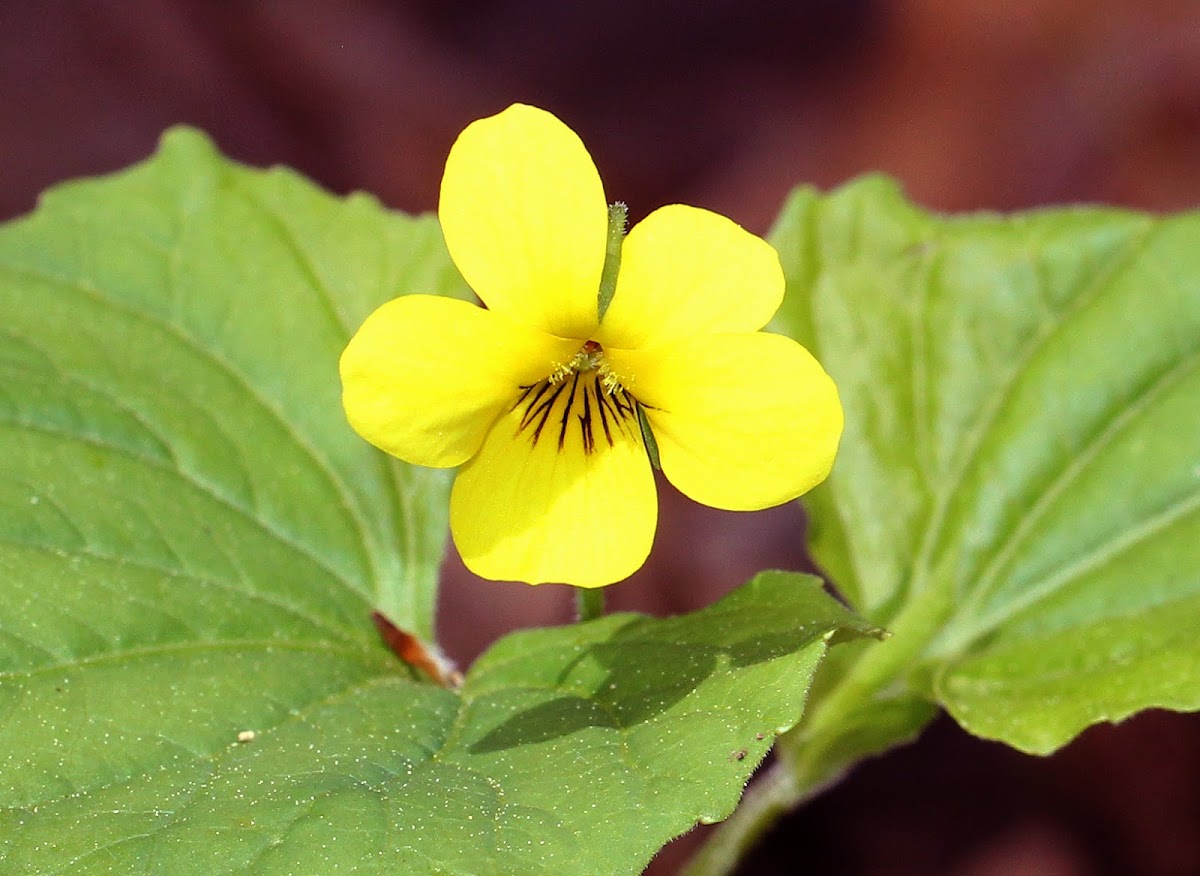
(725, 104)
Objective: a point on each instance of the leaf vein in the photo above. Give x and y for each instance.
(973, 439)
(263, 524)
(1097, 442)
(184, 575)
(224, 366)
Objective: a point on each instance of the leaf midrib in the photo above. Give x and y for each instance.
(1124, 418)
(973, 440)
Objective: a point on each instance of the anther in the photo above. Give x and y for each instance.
(592, 393)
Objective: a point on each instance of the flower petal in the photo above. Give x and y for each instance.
(425, 377)
(742, 421)
(523, 212)
(687, 271)
(526, 510)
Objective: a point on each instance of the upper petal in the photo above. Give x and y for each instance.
(424, 377)
(523, 212)
(742, 421)
(554, 506)
(686, 271)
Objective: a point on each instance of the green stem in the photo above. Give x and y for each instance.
(773, 795)
(618, 215)
(589, 603)
(881, 666)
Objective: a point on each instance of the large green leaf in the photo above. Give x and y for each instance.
(191, 542)
(574, 750)
(1018, 491)
(169, 405)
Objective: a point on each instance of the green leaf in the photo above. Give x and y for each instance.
(171, 406)
(575, 750)
(192, 540)
(1018, 492)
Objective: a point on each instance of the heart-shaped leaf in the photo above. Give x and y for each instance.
(1018, 491)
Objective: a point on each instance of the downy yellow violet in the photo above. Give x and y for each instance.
(537, 397)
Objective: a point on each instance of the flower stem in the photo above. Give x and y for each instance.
(811, 762)
(589, 603)
(618, 215)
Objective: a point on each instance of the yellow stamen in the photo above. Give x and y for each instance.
(587, 388)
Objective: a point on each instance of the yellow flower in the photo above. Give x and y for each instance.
(537, 397)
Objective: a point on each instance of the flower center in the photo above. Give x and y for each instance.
(581, 394)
